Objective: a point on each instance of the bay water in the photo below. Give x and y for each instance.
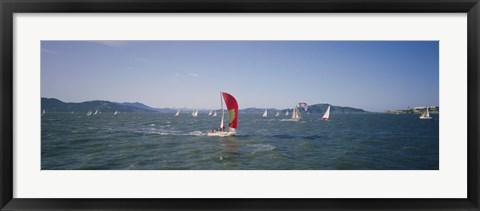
(161, 141)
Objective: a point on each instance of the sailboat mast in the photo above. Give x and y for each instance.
(223, 113)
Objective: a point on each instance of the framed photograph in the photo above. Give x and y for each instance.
(255, 105)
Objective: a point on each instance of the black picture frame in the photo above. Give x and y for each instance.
(9, 7)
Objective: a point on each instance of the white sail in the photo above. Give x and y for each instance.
(425, 114)
(96, 112)
(43, 112)
(265, 114)
(210, 114)
(277, 114)
(214, 113)
(89, 113)
(327, 114)
(178, 112)
(295, 114)
(286, 113)
(116, 112)
(195, 113)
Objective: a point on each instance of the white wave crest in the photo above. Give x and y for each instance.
(261, 148)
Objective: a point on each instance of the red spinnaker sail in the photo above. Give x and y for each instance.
(232, 108)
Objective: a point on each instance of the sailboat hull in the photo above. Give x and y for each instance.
(425, 117)
(221, 134)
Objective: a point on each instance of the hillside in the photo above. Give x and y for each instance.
(55, 105)
(313, 109)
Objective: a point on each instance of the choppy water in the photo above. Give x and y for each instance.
(161, 141)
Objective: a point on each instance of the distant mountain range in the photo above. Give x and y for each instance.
(55, 105)
(313, 109)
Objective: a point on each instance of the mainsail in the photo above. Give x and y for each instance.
(195, 113)
(178, 112)
(265, 114)
(327, 114)
(425, 114)
(296, 113)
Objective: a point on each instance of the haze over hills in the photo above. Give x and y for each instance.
(55, 105)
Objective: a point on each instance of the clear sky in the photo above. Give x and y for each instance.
(372, 75)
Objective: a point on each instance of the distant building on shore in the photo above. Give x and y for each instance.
(415, 110)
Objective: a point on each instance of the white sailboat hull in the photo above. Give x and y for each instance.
(222, 134)
(425, 117)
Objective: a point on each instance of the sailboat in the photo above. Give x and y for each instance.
(327, 114)
(96, 112)
(277, 114)
(286, 113)
(425, 114)
(265, 114)
(232, 107)
(214, 113)
(178, 112)
(210, 114)
(43, 112)
(89, 113)
(116, 112)
(296, 114)
(195, 113)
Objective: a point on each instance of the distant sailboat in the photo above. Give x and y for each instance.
(43, 112)
(277, 114)
(265, 114)
(89, 113)
(195, 113)
(425, 114)
(96, 112)
(210, 114)
(232, 107)
(286, 113)
(327, 114)
(214, 113)
(116, 112)
(178, 112)
(296, 114)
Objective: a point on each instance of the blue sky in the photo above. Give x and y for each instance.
(372, 75)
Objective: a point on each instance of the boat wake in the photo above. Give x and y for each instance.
(193, 133)
(261, 147)
(289, 120)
